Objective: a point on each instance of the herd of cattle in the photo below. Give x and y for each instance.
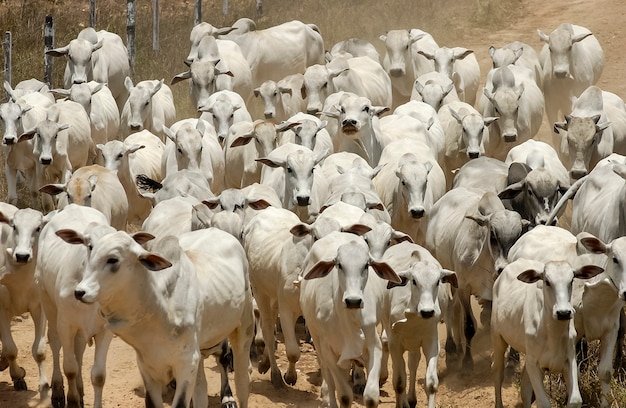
(372, 225)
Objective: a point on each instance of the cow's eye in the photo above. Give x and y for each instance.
(615, 260)
(112, 261)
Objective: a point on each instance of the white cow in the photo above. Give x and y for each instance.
(359, 75)
(514, 97)
(234, 208)
(353, 47)
(520, 54)
(62, 144)
(469, 231)
(198, 32)
(293, 172)
(306, 130)
(28, 86)
(598, 206)
(535, 192)
(193, 145)
(71, 324)
(435, 89)
(18, 291)
(282, 99)
(246, 142)
(402, 61)
(483, 173)
(197, 287)
(409, 184)
(359, 129)
(394, 127)
(96, 56)
(16, 117)
(461, 66)
(467, 135)
(424, 113)
(598, 304)
(595, 128)
(536, 319)
(267, 239)
(223, 109)
(97, 187)
(572, 60)
(218, 65)
(150, 106)
(173, 216)
(410, 316)
(267, 50)
(340, 312)
(98, 102)
(139, 153)
(181, 183)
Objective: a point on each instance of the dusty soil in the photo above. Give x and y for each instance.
(457, 389)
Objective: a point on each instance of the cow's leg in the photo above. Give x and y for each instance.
(605, 368)
(288, 323)
(241, 340)
(9, 351)
(469, 327)
(535, 376)
(39, 345)
(58, 394)
(98, 371)
(200, 396)
(574, 399)
(154, 398)
(371, 395)
(431, 351)
(497, 367)
(414, 360)
(224, 360)
(398, 371)
(384, 364)
(269, 314)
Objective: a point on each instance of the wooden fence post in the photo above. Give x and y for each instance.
(197, 13)
(92, 14)
(130, 33)
(48, 40)
(7, 60)
(155, 25)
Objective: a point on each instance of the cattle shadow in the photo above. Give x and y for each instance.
(16, 399)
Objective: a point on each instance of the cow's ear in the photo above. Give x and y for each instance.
(385, 271)
(142, 237)
(4, 218)
(320, 269)
(301, 230)
(154, 262)
(71, 237)
(53, 189)
(530, 276)
(404, 279)
(511, 191)
(478, 219)
(448, 276)
(588, 271)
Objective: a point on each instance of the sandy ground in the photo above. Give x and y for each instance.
(456, 389)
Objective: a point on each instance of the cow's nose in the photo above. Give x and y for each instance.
(302, 201)
(46, 161)
(349, 122)
(473, 155)
(417, 213)
(22, 258)
(78, 294)
(576, 174)
(564, 314)
(135, 126)
(354, 303)
(427, 314)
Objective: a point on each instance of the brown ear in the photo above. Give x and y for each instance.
(300, 230)
(449, 277)
(70, 236)
(142, 237)
(320, 269)
(530, 276)
(588, 271)
(258, 204)
(385, 271)
(154, 262)
(594, 245)
(357, 229)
